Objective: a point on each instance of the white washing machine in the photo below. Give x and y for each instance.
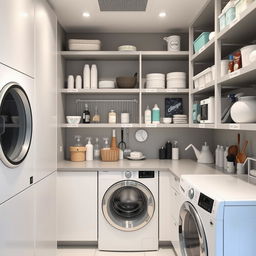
(128, 210)
(16, 130)
(218, 216)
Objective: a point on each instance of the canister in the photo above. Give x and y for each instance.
(77, 154)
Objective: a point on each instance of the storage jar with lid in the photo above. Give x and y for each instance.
(112, 117)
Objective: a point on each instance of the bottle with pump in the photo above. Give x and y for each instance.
(96, 149)
(175, 151)
(148, 115)
(77, 141)
(156, 115)
(86, 115)
(89, 150)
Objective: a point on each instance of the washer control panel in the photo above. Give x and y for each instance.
(146, 174)
(128, 174)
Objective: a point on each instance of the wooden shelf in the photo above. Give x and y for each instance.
(242, 29)
(165, 91)
(101, 91)
(206, 53)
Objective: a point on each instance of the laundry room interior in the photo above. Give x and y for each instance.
(127, 127)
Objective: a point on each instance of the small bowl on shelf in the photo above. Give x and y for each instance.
(73, 119)
(127, 82)
(167, 120)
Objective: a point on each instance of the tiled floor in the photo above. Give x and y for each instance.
(95, 252)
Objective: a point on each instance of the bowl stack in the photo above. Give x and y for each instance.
(155, 81)
(180, 119)
(176, 80)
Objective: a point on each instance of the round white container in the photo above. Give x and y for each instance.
(94, 77)
(245, 52)
(224, 67)
(243, 111)
(71, 82)
(176, 75)
(78, 82)
(106, 84)
(173, 43)
(155, 84)
(157, 76)
(125, 118)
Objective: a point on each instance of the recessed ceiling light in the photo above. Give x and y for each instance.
(86, 14)
(162, 14)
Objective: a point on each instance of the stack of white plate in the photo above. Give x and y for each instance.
(127, 48)
(176, 80)
(180, 119)
(155, 81)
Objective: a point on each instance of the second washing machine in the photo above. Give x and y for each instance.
(128, 210)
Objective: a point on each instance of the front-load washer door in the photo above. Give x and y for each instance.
(192, 236)
(15, 125)
(128, 205)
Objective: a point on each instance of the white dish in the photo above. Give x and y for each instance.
(127, 48)
(176, 75)
(73, 119)
(106, 84)
(84, 45)
(136, 159)
(151, 76)
(167, 120)
(136, 155)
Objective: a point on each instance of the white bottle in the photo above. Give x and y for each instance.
(96, 150)
(94, 77)
(221, 157)
(87, 77)
(175, 151)
(148, 115)
(217, 155)
(78, 82)
(71, 82)
(225, 158)
(89, 150)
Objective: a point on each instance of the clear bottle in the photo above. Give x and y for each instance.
(89, 150)
(96, 149)
(86, 115)
(112, 117)
(148, 115)
(156, 115)
(77, 141)
(96, 117)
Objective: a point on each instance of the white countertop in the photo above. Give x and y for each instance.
(177, 167)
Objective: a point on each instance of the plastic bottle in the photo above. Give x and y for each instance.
(87, 77)
(225, 158)
(231, 64)
(148, 115)
(175, 151)
(86, 115)
(221, 157)
(94, 77)
(78, 82)
(156, 115)
(217, 155)
(96, 149)
(89, 150)
(71, 82)
(168, 147)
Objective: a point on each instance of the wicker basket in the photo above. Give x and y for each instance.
(109, 155)
(77, 154)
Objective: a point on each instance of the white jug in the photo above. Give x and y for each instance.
(173, 43)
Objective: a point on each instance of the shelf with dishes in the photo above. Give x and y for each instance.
(100, 91)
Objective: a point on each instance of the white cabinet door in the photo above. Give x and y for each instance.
(17, 35)
(165, 207)
(46, 89)
(45, 216)
(77, 206)
(17, 225)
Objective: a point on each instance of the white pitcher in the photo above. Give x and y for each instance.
(173, 43)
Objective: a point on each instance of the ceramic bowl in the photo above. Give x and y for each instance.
(167, 120)
(73, 119)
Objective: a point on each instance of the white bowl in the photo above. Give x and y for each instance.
(176, 75)
(73, 119)
(136, 155)
(167, 120)
(107, 84)
(152, 76)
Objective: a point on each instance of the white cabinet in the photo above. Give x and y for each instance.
(77, 206)
(45, 216)
(17, 225)
(17, 35)
(46, 89)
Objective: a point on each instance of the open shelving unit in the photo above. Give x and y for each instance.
(239, 33)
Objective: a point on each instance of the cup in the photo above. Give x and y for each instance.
(230, 167)
(240, 168)
(125, 118)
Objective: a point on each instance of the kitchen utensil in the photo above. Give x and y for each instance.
(233, 150)
(127, 48)
(243, 111)
(122, 144)
(73, 119)
(126, 82)
(173, 43)
(205, 156)
(241, 156)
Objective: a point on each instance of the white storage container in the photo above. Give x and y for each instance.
(246, 52)
(203, 78)
(224, 67)
(84, 45)
(242, 5)
(208, 75)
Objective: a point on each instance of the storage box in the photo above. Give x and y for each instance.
(84, 45)
(201, 41)
(222, 21)
(204, 77)
(109, 155)
(230, 14)
(242, 5)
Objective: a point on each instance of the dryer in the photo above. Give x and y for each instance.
(128, 210)
(217, 217)
(16, 131)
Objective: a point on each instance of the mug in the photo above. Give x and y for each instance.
(125, 118)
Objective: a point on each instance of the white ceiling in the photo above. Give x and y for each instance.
(180, 14)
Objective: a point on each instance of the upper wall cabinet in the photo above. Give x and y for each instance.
(17, 35)
(46, 89)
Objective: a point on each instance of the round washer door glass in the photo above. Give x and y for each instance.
(192, 236)
(15, 125)
(128, 205)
